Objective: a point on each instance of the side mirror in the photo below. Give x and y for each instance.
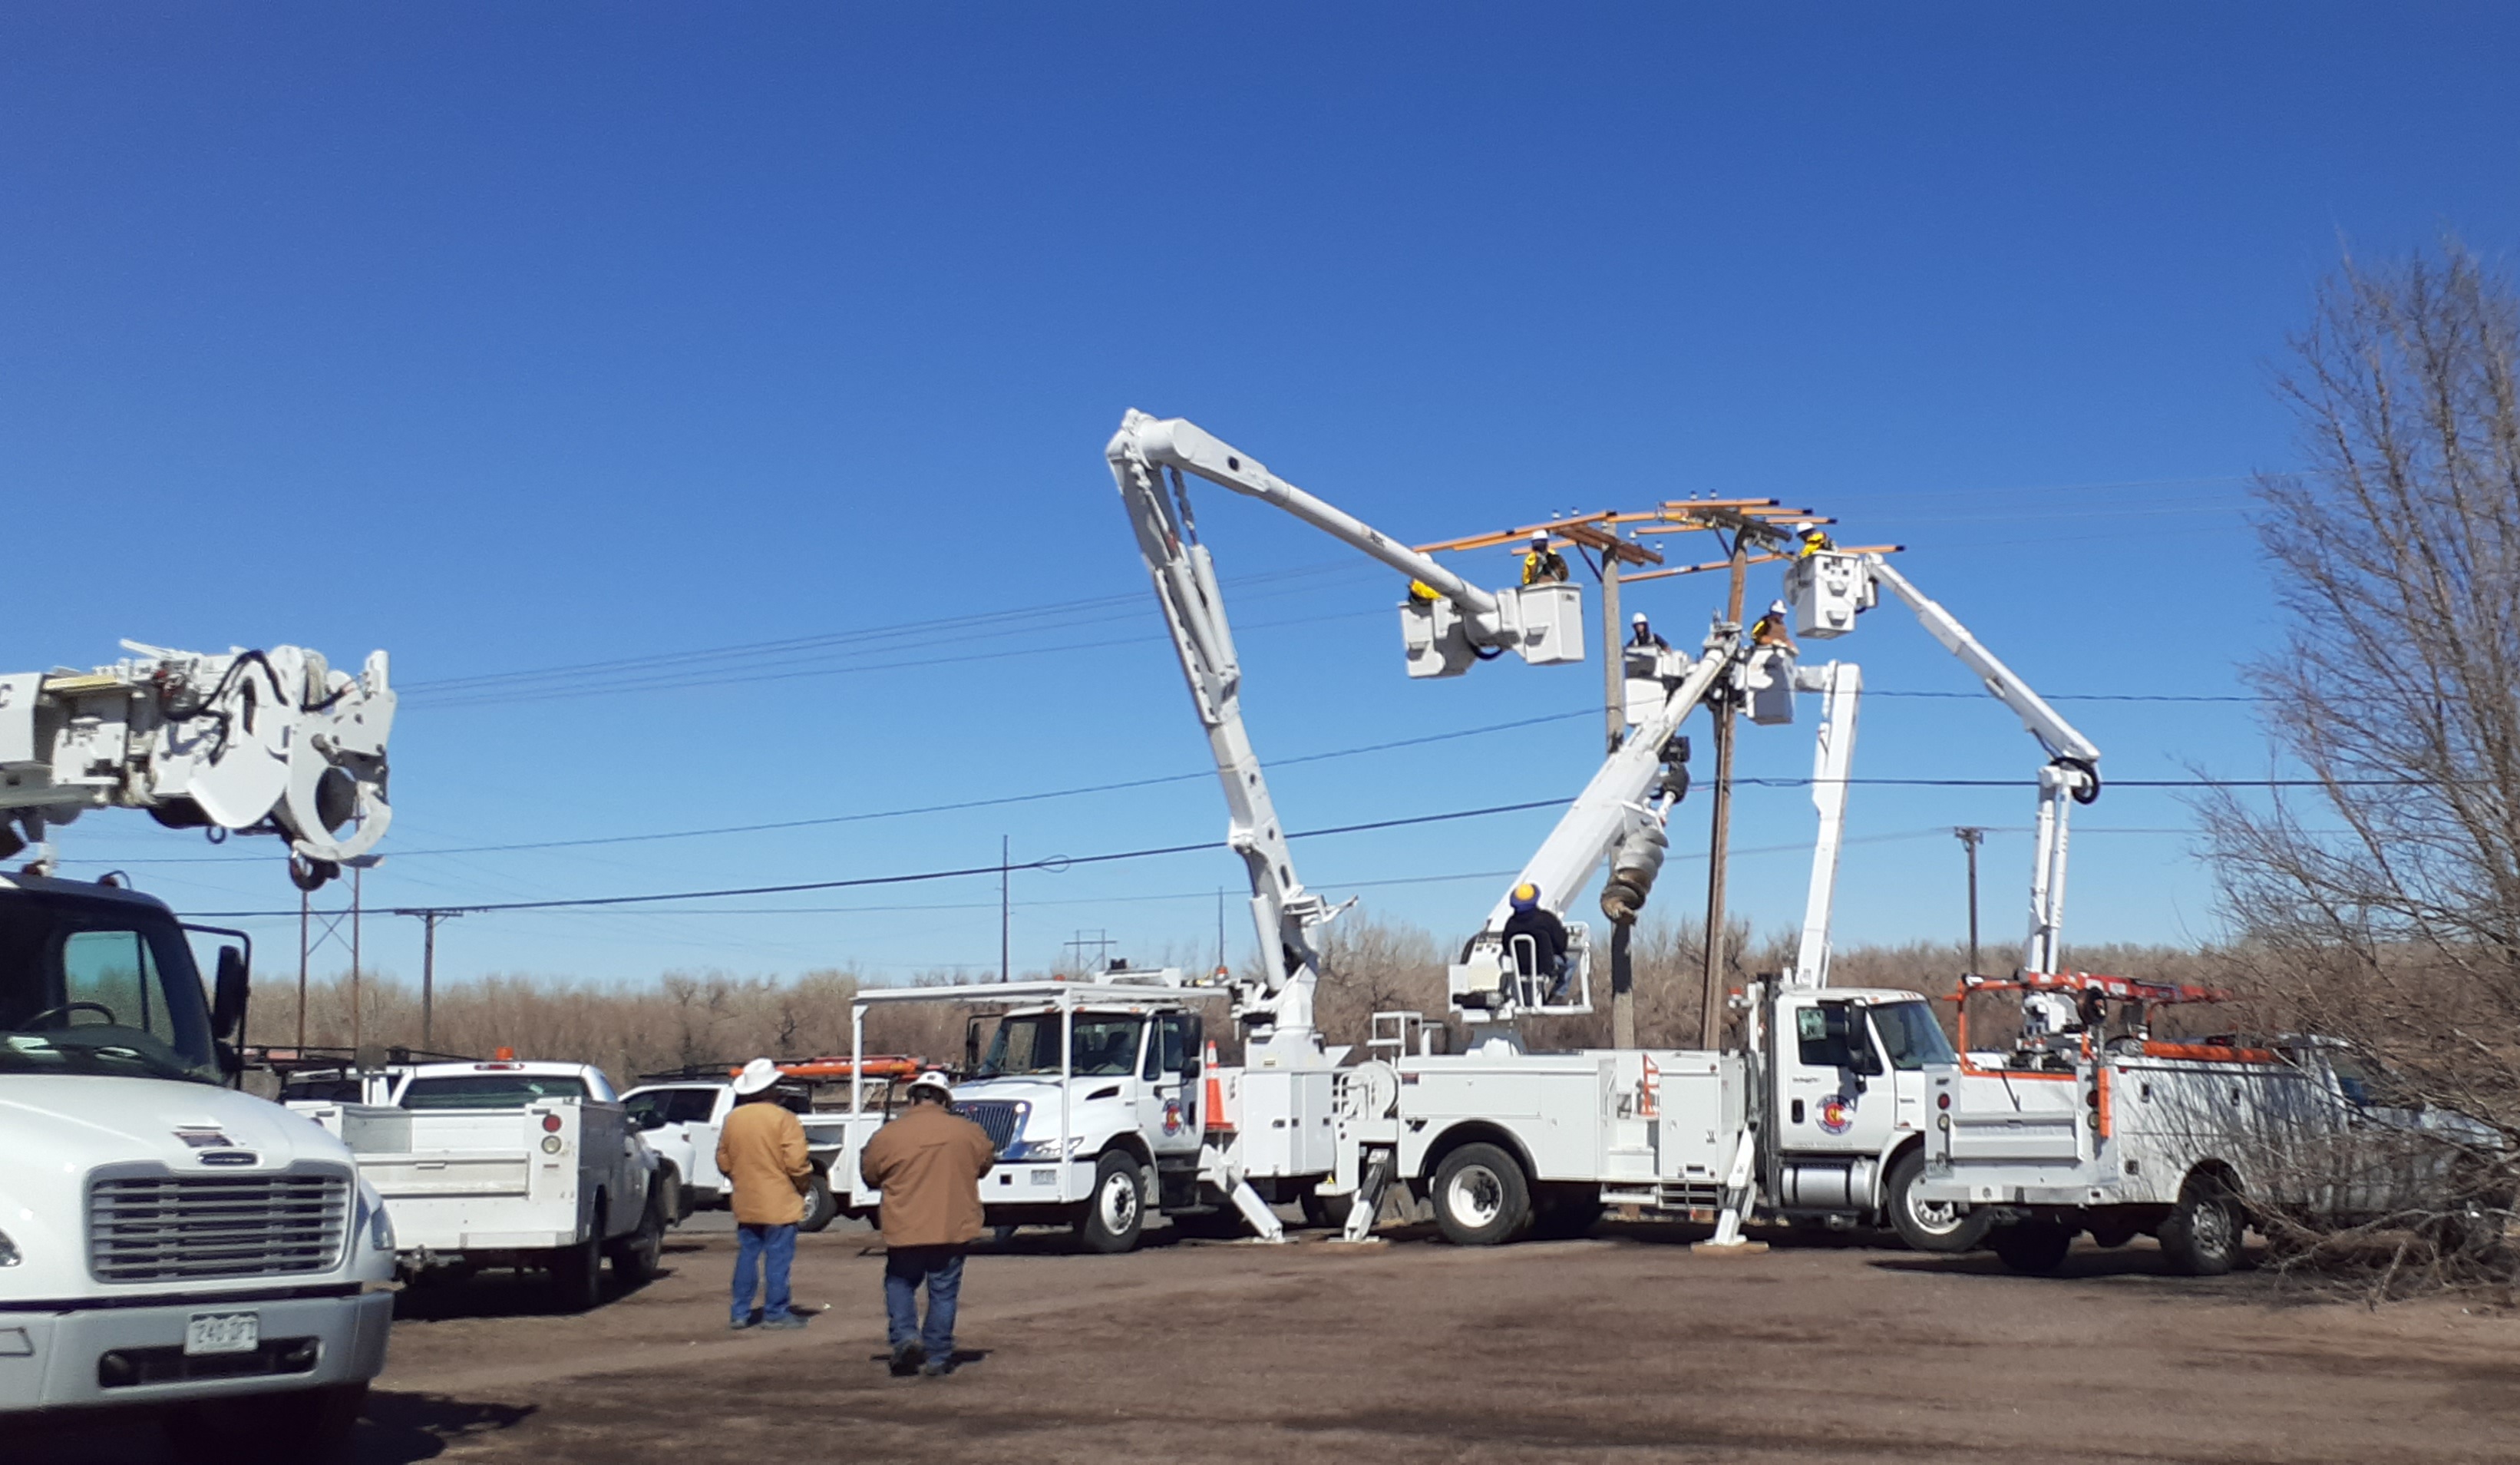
(1863, 1063)
(228, 998)
(653, 1118)
(971, 1045)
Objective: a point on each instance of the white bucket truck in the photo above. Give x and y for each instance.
(1821, 1115)
(681, 1119)
(1104, 1109)
(166, 1242)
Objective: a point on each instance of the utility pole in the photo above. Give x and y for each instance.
(1969, 839)
(1623, 988)
(1614, 680)
(358, 879)
(303, 931)
(1004, 909)
(1723, 708)
(428, 920)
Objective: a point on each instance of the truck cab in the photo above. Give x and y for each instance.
(164, 1238)
(1092, 1098)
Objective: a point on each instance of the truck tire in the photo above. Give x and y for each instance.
(1481, 1196)
(678, 1196)
(1115, 1212)
(300, 1427)
(2201, 1237)
(819, 1207)
(2033, 1248)
(1328, 1212)
(1563, 1212)
(577, 1275)
(1927, 1225)
(636, 1256)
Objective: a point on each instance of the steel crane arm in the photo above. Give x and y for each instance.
(1176, 442)
(249, 741)
(1602, 814)
(2058, 736)
(1286, 917)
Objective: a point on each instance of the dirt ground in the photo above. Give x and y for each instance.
(1624, 1346)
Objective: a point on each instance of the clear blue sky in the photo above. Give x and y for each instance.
(520, 336)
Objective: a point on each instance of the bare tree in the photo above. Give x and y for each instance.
(2385, 905)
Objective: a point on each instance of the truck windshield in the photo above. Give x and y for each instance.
(490, 1090)
(1911, 1037)
(1106, 1047)
(101, 986)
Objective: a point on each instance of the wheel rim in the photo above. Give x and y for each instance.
(1935, 1218)
(2213, 1228)
(1119, 1203)
(1476, 1196)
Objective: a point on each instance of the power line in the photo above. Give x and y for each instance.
(1051, 863)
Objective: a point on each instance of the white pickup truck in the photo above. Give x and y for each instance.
(679, 1119)
(507, 1163)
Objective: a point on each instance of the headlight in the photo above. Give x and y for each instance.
(9, 1250)
(380, 1230)
(1041, 1149)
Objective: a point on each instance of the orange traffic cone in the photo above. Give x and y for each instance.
(1213, 1110)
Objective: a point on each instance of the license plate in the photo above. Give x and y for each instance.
(223, 1333)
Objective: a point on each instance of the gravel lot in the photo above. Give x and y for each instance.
(1624, 1346)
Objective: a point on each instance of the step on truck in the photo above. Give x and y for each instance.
(2087, 1123)
(1105, 1111)
(167, 1243)
(505, 1163)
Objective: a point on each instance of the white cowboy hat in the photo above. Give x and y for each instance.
(757, 1075)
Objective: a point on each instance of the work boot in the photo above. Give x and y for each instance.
(788, 1320)
(935, 1368)
(906, 1358)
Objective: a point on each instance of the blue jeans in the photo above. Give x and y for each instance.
(765, 1250)
(941, 1269)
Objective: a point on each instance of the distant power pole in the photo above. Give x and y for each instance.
(1969, 839)
(1004, 909)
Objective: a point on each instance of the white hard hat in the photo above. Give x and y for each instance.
(1539, 537)
(1638, 619)
(757, 1075)
(1808, 530)
(1777, 608)
(934, 1082)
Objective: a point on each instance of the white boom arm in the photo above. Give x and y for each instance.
(256, 742)
(1841, 688)
(1543, 624)
(2072, 774)
(1612, 802)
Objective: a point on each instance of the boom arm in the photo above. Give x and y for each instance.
(2072, 774)
(257, 742)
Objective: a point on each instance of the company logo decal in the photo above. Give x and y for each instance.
(1836, 1115)
(1172, 1117)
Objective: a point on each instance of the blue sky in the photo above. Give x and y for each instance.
(516, 337)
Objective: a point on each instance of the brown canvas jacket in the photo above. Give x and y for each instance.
(928, 1163)
(761, 1151)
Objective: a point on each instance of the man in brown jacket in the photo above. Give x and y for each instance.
(761, 1151)
(928, 1162)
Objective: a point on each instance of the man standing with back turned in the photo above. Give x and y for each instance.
(928, 1162)
(761, 1151)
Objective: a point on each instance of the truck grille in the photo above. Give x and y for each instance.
(1002, 1120)
(180, 1228)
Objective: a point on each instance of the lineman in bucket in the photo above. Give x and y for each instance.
(928, 1163)
(1548, 934)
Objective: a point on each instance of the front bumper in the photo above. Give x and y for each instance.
(59, 1359)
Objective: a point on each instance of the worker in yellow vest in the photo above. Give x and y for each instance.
(1541, 565)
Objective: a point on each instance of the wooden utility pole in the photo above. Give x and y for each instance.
(303, 931)
(1004, 907)
(1969, 839)
(1722, 708)
(1614, 674)
(358, 880)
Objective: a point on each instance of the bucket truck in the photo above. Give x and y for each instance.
(166, 1242)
